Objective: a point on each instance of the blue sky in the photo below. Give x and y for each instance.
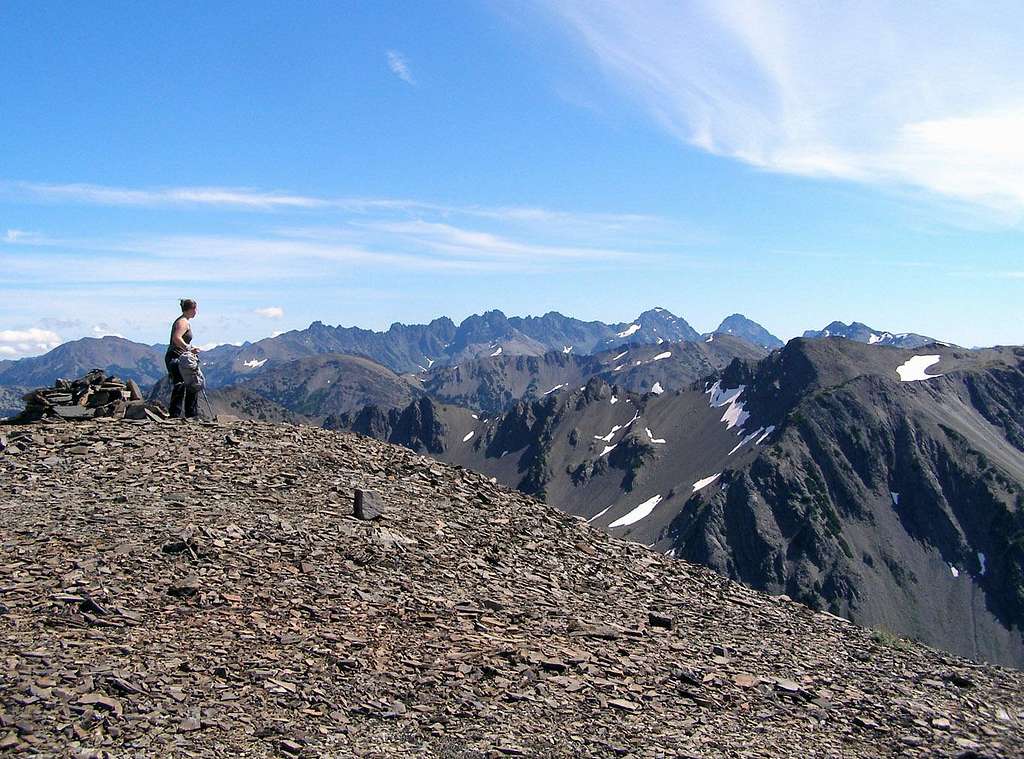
(365, 163)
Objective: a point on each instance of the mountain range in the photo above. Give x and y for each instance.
(409, 349)
(851, 477)
(862, 333)
(873, 475)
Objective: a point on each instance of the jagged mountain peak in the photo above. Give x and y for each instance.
(740, 326)
(834, 451)
(862, 333)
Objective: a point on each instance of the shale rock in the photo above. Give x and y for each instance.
(94, 395)
(168, 593)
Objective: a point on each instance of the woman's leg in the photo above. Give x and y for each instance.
(178, 389)
(191, 402)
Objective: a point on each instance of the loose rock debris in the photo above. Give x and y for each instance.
(166, 591)
(89, 397)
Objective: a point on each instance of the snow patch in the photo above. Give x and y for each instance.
(556, 387)
(599, 514)
(254, 364)
(469, 435)
(566, 349)
(981, 560)
(915, 369)
(614, 400)
(650, 436)
(430, 362)
(608, 449)
(767, 431)
(734, 415)
(631, 329)
(705, 482)
(954, 571)
(608, 438)
(474, 416)
(711, 338)
(660, 356)
(746, 440)
(641, 511)
(895, 498)
(619, 356)
(497, 352)
(657, 389)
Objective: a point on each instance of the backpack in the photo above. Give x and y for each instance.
(191, 372)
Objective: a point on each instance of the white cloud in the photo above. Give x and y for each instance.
(270, 312)
(15, 343)
(102, 330)
(170, 196)
(546, 221)
(449, 239)
(918, 95)
(399, 67)
(311, 252)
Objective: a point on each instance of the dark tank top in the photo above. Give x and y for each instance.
(187, 338)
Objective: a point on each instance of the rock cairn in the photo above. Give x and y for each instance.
(95, 395)
(178, 589)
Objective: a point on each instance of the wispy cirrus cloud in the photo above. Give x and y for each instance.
(907, 94)
(294, 254)
(157, 197)
(298, 242)
(400, 67)
(250, 199)
(448, 239)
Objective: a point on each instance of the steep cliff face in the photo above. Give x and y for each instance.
(896, 505)
(850, 476)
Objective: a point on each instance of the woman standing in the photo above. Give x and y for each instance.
(184, 399)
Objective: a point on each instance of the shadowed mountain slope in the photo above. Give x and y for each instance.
(883, 484)
(115, 355)
(223, 597)
(11, 403)
(310, 389)
(494, 383)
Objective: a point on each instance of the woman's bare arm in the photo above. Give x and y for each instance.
(178, 335)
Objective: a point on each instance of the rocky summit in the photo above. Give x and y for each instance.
(208, 590)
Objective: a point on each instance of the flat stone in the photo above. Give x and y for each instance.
(186, 586)
(366, 505)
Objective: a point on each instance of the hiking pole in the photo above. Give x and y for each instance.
(209, 406)
(202, 386)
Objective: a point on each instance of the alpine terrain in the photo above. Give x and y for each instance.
(883, 484)
(255, 590)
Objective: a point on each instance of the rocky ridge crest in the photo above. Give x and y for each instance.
(178, 587)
